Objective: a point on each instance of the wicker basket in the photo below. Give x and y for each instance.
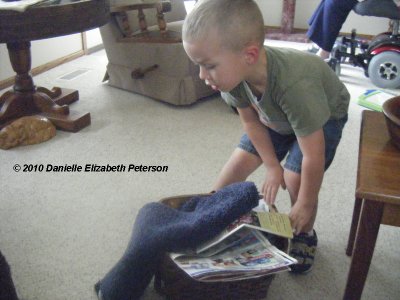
(173, 283)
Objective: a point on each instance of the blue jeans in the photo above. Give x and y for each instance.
(285, 144)
(327, 20)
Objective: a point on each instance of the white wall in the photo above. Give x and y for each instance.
(42, 52)
(93, 38)
(5, 66)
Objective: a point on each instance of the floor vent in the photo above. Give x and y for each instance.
(74, 74)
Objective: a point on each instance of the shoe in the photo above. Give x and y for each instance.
(313, 48)
(303, 248)
(97, 291)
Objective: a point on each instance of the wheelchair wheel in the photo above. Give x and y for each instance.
(384, 70)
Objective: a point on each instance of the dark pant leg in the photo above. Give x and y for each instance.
(327, 21)
(7, 289)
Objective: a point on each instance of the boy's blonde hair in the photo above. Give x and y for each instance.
(236, 22)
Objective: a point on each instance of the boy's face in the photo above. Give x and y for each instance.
(220, 68)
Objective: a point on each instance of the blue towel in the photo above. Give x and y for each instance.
(7, 288)
(159, 229)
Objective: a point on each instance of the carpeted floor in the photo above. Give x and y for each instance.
(61, 232)
(298, 36)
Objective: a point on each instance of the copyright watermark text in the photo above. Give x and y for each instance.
(90, 168)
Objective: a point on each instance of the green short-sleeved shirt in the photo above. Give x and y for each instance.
(302, 93)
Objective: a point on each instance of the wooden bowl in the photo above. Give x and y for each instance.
(391, 110)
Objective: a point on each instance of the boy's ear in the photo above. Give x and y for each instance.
(252, 53)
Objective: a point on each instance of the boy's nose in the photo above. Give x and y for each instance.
(202, 73)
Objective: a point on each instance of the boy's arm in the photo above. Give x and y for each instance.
(262, 142)
(312, 171)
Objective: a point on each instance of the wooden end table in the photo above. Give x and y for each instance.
(46, 20)
(377, 198)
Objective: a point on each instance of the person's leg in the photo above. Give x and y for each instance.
(238, 167)
(292, 181)
(327, 21)
(315, 31)
(332, 135)
(303, 246)
(245, 159)
(292, 176)
(323, 53)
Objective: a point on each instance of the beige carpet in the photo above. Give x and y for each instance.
(62, 231)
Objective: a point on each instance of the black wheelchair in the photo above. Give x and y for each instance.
(379, 57)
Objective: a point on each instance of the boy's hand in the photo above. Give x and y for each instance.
(301, 216)
(273, 180)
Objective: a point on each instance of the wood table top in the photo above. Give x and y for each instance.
(378, 175)
(51, 19)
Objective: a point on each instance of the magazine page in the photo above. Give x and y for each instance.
(250, 218)
(228, 238)
(276, 223)
(250, 256)
(195, 265)
(259, 218)
(240, 276)
(230, 235)
(272, 221)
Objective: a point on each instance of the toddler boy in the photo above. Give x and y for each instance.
(289, 102)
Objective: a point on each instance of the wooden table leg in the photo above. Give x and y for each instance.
(287, 32)
(288, 12)
(26, 99)
(354, 224)
(367, 233)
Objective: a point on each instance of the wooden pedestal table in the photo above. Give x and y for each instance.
(41, 21)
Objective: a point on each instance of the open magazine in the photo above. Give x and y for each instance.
(241, 250)
(247, 253)
(259, 218)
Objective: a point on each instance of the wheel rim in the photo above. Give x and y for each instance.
(388, 71)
